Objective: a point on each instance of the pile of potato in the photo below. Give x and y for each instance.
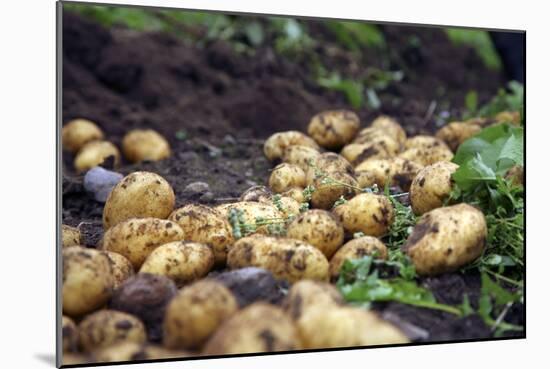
(145, 290)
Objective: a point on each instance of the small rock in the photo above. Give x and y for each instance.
(100, 182)
(207, 197)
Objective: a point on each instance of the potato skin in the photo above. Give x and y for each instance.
(369, 213)
(431, 186)
(288, 206)
(252, 210)
(356, 249)
(196, 312)
(326, 194)
(333, 129)
(306, 294)
(260, 327)
(383, 148)
(512, 117)
(318, 228)
(366, 178)
(285, 258)
(136, 238)
(87, 280)
(70, 236)
(130, 351)
(181, 261)
(286, 176)
(203, 224)
(296, 193)
(122, 268)
(106, 327)
(328, 162)
(390, 127)
(79, 132)
(276, 144)
(446, 239)
(394, 171)
(93, 154)
(427, 156)
(455, 133)
(69, 334)
(300, 156)
(145, 144)
(423, 142)
(256, 193)
(139, 195)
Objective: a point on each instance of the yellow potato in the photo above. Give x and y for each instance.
(358, 152)
(288, 206)
(331, 188)
(390, 127)
(256, 193)
(455, 133)
(300, 156)
(366, 179)
(79, 132)
(181, 261)
(70, 236)
(277, 143)
(394, 171)
(333, 129)
(296, 193)
(139, 195)
(369, 213)
(251, 211)
(327, 163)
(69, 333)
(427, 156)
(122, 267)
(431, 186)
(306, 294)
(356, 249)
(286, 176)
(94, 153)
(145, 144)
(136, 238)
(130, 351)
(512, 117)
(423, 142)
(196, 312)
(403, 172)
(371, 134)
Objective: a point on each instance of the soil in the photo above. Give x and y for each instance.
(216, 106)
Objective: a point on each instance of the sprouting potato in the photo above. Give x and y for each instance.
(330, 189)
(319, 228)
(300, 156)
(128, 351)
(431, 186)
(358, 152)
(106, 327)
(94, 153)
(512, 117)
(203, 224)
(356, 249)
(145, 144)
(70, 236)
(391, 127)
(423, 142)
(87, 280)
(69, 333)
(181, 261)
(306, 294)
(259, 327)
(285, 258)
(369, 213)
(139, 195)
(447, 238)
(251, 211)
(333, 129)
(196, 312)
(136, 238)
(327, 163)
(122, 268)
(297, 193)
(455, 133)
(286, 176)
(79, 132)
(427, 156)
(276, 144)
(256, 193)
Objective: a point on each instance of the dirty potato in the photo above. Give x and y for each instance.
(379, 171)
(286, 258)
(390, 127)
(70, 236)
(366, 178)
(306, 294)
(276, 144)
(431, 187)
(512, 117)
(423, 142)
(327, 163)
(136, 238)
(333, 129)
(139, 195)
(256, 193)
(286, 205)
(129, 351)
(300, 156)
(286, 176)
(79, 132)
(181, 261)
(394, 172)
(356, 153)
(329, 189)
(455, 133)
(446, 239)
(516, 175)
(260, 327)
(252, 210)
(196, 312)
(296, 193)
(69, 334)
(145, 144)
(427, 156)
(122, 267)
(94, 153)
(369, 213)
(318, 228)
(106, 327)
(87, 280)
(203, 224)
(403, 171)
(356, 249)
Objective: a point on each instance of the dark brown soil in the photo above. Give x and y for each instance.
(227, 103)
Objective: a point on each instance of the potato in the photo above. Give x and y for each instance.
(256, 193)
(145, 144)
(306, 294)
(130, 351)
(69, 334)
(79, 132)
(371, 134)
(512, 117)
(181, 261)
(288, 206)
(87, 280)
(356, 249)
(333, 129)
(300, 156)
(369, 213)
(70, 236)
(94, 153)
(427, 156)
(260, 327)
(286, 176)
(286, 258)
(446, 239)
(330, 189)
(139, 195)
(424, 142)
(324, 327)
(431, 186)
(379, 171)
(327, 163)
(136, 238)
(106, 327)
(203, 224)
(366, 179)
(196, 312)
(318, 228)
(516, 175)
(403, 172)
(394, 171)
(296, 193)
(276, 144)
(358, 152)
(122, 267)
(390, 127)
(455, 133)
(251, 211)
